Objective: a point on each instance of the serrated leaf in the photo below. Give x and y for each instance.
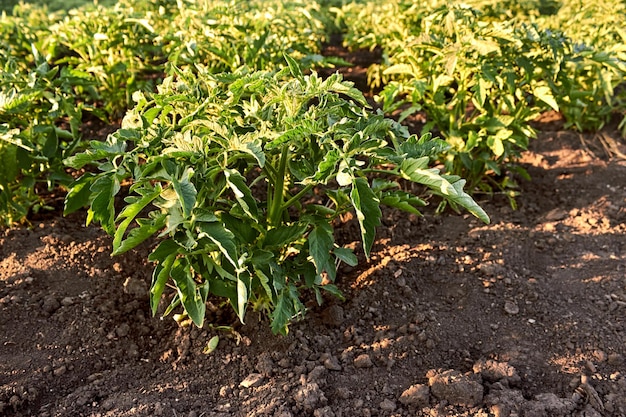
(399, 69)
(346, 255)
(186, 192)
(190, 295)
(224, 239)
(403, 201)
(128, 214)
(496, 146)
(8, 155)
(326, 168)
(366, 205)
(283, 235)
(243, 230)
(139, 234)
(160, 276)
(321, 242)
(452, 192)
(294, 67)
(79, 194)
(287, 307)
(411, 170)
(237, 183)
(544, 93)
(466, 201)
(51, 144)
(102, 207)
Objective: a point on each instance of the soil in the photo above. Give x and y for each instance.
(449, 317)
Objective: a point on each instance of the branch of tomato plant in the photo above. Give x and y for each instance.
(276, 191)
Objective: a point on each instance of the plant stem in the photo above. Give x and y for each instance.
(297, 197)
(275, 212)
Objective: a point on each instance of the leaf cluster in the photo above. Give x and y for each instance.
(481, 71)
(39, 127)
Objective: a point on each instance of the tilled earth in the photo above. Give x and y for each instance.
(450, 317)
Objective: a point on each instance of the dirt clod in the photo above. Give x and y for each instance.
(363, 361)
(416, 396)
(456, 388)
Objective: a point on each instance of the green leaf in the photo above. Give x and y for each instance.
(160, 276)
(453, 192)
(102, 207)
(326, 168)
(165, 249)
(544, 93)
(8, 157)
(284, 235)
(51, 145)
(403, 201)
(366, 205)
(129, 213)
(321, 242)
(287, 307)
(186, 192)
(242, 228)
(139, 234)
(294, 68)
(191, 296)
(346, 255)
(466, 201)
(224, 239)
(416, 171)
(79, 194)
(211, 345)
(237, 183)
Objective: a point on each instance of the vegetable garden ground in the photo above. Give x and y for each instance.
(265, 182)
(538, 298)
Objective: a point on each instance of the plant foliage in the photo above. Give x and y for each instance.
(243, 176)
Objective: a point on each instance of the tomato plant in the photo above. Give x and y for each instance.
(248, 172)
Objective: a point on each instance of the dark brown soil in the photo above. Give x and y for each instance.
(450, 317)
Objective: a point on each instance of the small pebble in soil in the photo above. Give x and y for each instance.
(252, 380)
(310, 396)
(316, 374)
(324, 412)
(615, 359)
(122, 330)
(456, 388)
(332, 364)
(50, 304)
(387, 405)
(60, 370)
(67, 301)
(511, 307)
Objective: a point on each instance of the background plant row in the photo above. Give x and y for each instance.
(479, 72)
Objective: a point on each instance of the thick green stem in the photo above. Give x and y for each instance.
(275, 211)
(297, 197)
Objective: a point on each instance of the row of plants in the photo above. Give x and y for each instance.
(64, 68)
(240, 165)
(481, 72)
(238, 161)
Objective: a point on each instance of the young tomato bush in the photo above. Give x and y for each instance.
(39, 127)
(243, 176)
